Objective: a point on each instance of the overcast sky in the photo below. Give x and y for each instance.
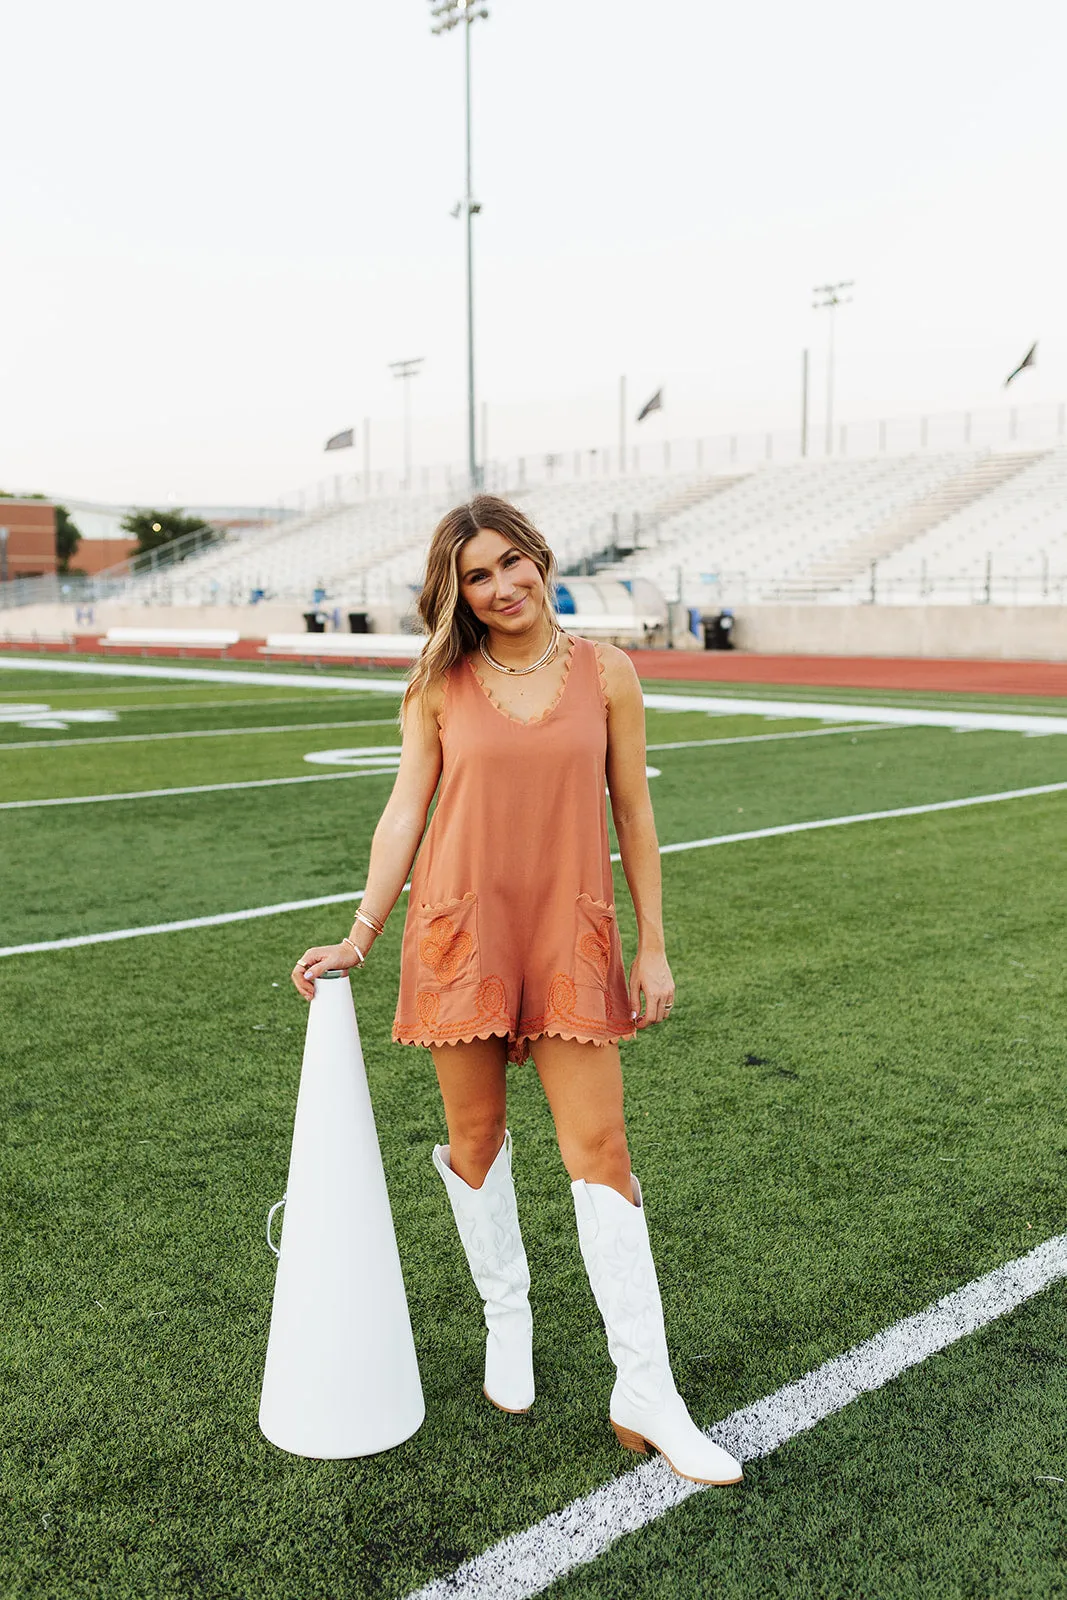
(220, 221)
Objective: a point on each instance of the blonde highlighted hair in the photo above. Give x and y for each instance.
(446, 617)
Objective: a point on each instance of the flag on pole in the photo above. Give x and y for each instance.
(1027, 361)
(655, 404)
(341, 441)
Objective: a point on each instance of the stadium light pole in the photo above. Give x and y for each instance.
(832, 298)
(406, 370)
(449, 14)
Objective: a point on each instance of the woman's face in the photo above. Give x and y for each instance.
(503, 587)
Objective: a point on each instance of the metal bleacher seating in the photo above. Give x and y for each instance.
(931, 524)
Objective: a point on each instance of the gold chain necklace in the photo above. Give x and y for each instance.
(520, 672)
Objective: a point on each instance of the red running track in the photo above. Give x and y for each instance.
(855, 672)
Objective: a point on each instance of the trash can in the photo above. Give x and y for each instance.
(718, 631)
(315, 621)
(359, 622)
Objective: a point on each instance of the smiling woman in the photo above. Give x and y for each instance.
(511, 944)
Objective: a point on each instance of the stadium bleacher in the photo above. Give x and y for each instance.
(933, 525)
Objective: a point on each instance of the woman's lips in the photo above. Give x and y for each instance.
(509, 611)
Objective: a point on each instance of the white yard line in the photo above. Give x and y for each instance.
(816, 711)
(526, 1563)
(195, 788)
(761, 738)
(664, 849)
(265, 783)
(196, 733)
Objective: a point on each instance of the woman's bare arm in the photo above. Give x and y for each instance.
(631, 810)
(396, 838)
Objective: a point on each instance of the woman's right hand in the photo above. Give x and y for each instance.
(319, 959)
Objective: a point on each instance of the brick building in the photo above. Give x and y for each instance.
(31, 538)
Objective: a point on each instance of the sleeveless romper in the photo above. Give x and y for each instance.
(511, 927)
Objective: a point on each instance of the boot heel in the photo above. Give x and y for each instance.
(628, 1439)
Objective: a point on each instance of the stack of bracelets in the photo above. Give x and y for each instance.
(369, 922)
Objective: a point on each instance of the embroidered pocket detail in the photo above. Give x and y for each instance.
(593, 944)
(448, 943)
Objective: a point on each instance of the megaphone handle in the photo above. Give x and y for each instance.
(270, 1218)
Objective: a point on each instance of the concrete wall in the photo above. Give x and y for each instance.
(252, 622)
(987, 633)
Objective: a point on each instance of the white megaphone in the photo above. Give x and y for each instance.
(341, 1376)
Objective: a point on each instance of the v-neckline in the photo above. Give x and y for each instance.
(541, 715)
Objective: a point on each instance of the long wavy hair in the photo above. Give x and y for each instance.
(451, 624)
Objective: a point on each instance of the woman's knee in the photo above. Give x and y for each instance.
(597, 1155)
(478, 1133)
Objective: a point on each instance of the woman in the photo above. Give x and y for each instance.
(511, 946)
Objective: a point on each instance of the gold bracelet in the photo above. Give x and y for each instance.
(369, 921)
(360, 958)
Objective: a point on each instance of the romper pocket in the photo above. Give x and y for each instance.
(448, 950)
(596, 935)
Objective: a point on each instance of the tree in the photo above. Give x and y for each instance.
(152, 529)
(68, 538)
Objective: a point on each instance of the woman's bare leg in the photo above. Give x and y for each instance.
(583, 1087)
(472, 1080)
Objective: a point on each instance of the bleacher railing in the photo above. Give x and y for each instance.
(1038, 426)
(72, 588)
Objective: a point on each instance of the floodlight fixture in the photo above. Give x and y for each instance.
(407, 369)
(831, 299)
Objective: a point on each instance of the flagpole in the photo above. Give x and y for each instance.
(449, 14)
(622, 425)
(804, 405)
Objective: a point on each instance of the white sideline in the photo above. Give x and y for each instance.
(272, 680)
(193, 788)
(195, 733)
(900, 716)
(665, 849)
(526, 1563)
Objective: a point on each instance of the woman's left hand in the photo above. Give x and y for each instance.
(651, 976)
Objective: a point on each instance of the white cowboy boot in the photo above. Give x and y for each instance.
(488, 1223)
(646, 1408)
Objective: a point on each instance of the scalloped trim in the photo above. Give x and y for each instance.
(523, 1040)
(519, 1044)
(541, 715)
(407, 1036)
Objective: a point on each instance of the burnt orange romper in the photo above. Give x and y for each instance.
(510, 927)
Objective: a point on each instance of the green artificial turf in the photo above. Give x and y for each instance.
(949, 1484)
(859, 1104)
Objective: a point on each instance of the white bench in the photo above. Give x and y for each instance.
(354, 646)
(610, 624)
(194, 638)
